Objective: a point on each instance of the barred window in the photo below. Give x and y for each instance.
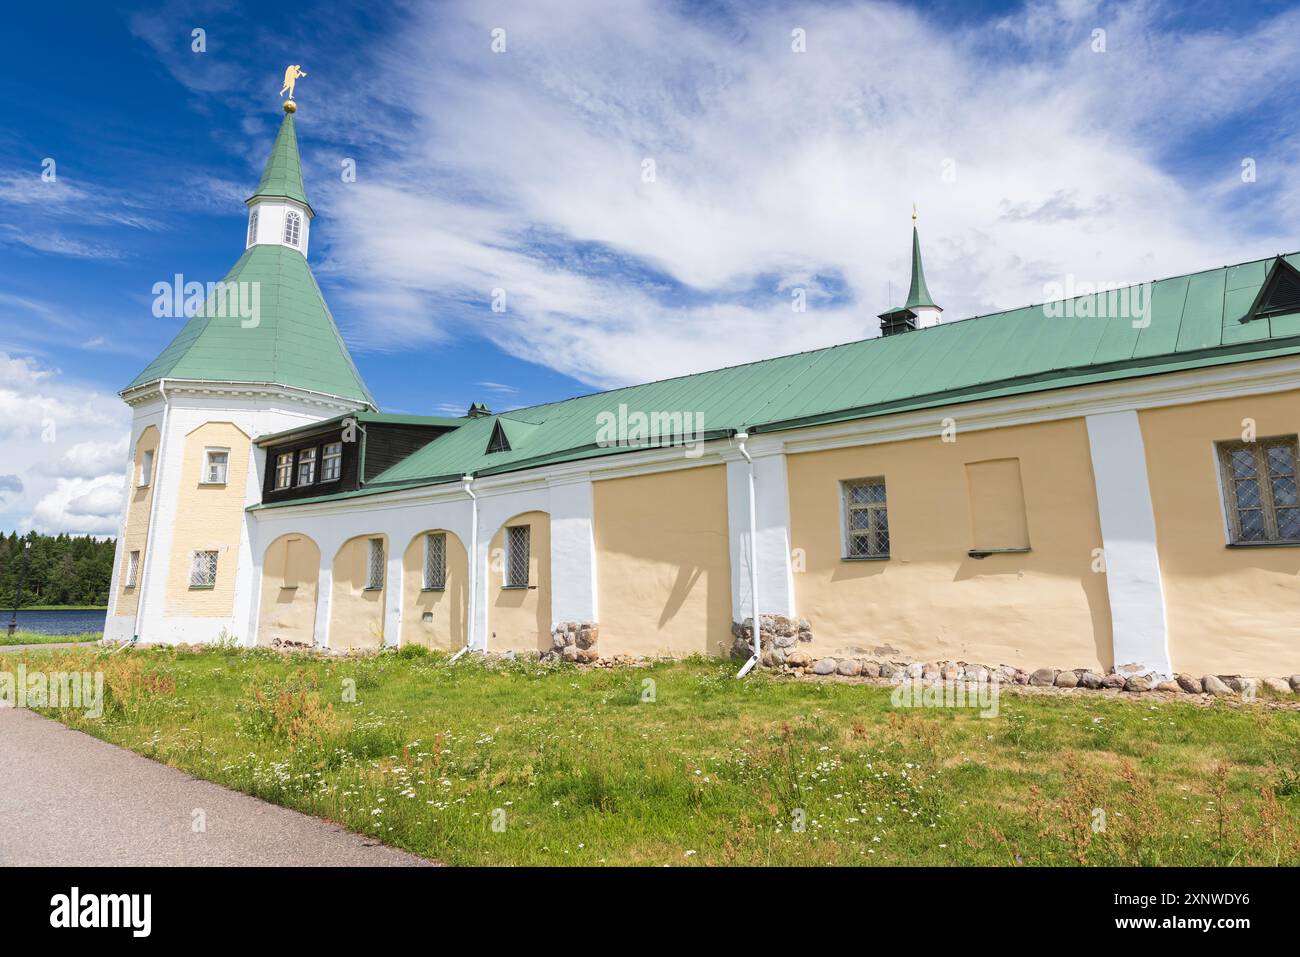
(132, 569)
(517, 540)
(292, 225)
(435, 561)
(215, 463)
(331, 461)
(306, 466)
(283, 469)
(866, 519)
(375, 577)
(252, 227)
(203, 571)
(1259, 480)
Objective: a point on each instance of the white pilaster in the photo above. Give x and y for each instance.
(1137, 606)
(573, 553)
(772, 520)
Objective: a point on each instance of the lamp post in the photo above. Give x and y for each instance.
(18, 596)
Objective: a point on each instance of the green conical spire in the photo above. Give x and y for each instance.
(283, 174)
(918, 294)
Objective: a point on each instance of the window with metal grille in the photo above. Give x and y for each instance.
(306, 466)
(375, 576)
(215, 462)
(292, 225)
(331, 461)
(1259, 484)
(132, 568)
(435, 561)
(866, 519)
(517, 538)
(252, 227)
(283, 469)
(203, 571)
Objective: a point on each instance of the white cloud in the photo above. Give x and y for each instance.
(775, 170)
(66, 446)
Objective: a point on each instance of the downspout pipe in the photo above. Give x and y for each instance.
(155, 480)
(741, 438)
(468, 482)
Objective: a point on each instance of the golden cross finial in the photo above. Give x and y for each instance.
(292, 73)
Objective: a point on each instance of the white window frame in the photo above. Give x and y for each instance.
(252, 228)
(283, 470)
(848, 533)
(435, 561)
(306, 458)
(375, 562)
(513, 534)
(203, 568)
(206, 478)
(292, 228)
(145, 478)
(335, 458)
(132, 568)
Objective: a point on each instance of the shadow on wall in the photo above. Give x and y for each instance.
(520, 614)
(435, 590)
(290, 572)
(357, 600)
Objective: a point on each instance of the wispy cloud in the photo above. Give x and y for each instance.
(1030, 154)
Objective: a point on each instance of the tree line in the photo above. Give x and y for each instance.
(61, 569)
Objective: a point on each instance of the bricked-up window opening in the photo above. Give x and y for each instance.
(435, 561)
(1259, 483)
(306, 466)
(866, 519)
(375, 578)
(203, 572)
(291, 226)
(331, 461)
(132, 569)
(216, 462)
(283, 469)
(517, 541)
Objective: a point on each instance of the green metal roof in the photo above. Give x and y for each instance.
(283, 173)
(295, 341)
(1195, 321)
(365, 418)
(918, 294)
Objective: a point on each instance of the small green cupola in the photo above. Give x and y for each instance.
(920, 310)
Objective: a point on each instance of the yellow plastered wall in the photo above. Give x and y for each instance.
(435, 619)
(290, 573)
(997, 504)
(663, 569)
(930, 600)
(356, 612)
(520, 618)
(208, 518)
(136, 535)
(1229, 610)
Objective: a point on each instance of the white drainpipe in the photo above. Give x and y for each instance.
(155, 480)
(741, 438)
(468, 481)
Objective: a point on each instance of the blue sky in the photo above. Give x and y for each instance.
(1032, 153)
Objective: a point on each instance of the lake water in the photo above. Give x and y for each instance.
(55, 622)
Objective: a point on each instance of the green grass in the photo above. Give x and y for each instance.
(38, 638)
(679, 763)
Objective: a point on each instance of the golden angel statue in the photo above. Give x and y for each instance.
(292, 74)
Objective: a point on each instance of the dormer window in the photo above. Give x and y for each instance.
(292, 228)
(252, 227)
